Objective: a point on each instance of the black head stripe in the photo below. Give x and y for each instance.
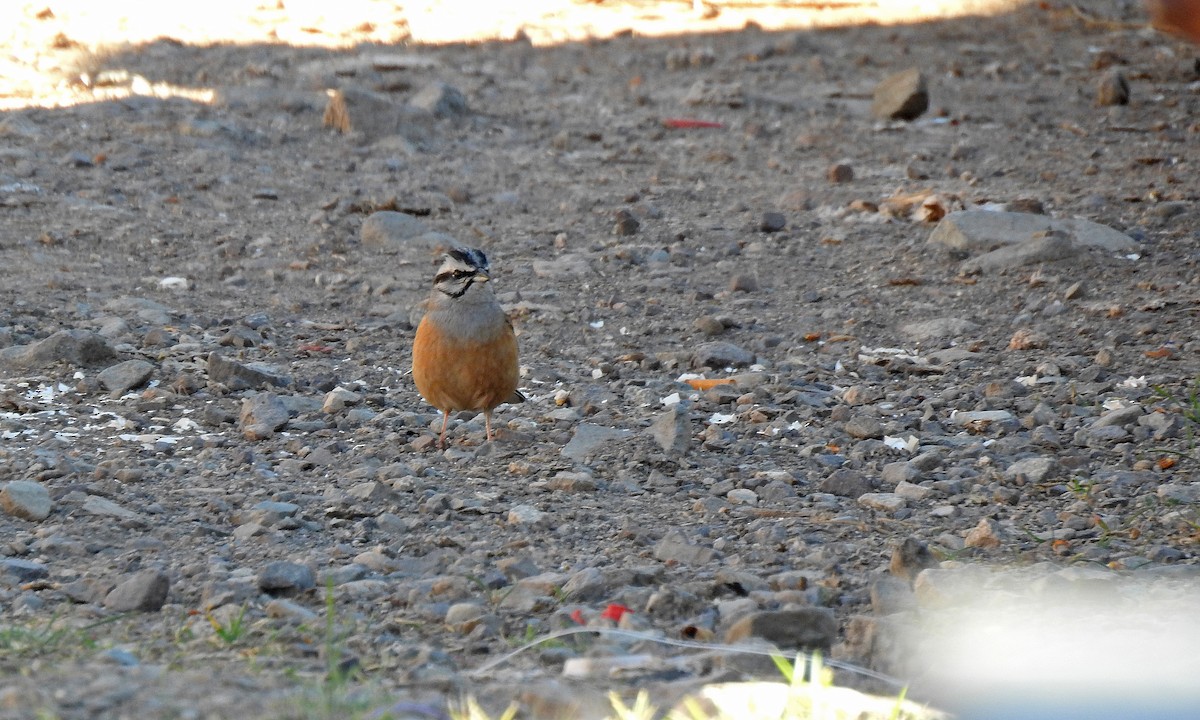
(472, 257)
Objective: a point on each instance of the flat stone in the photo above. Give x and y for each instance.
(845, 482)
(809, 628)
(674, 547)
(911, 491)
(862, 427)
(883, 502)
(1040, 248)
(1120, 417)
(78, 347)
(971, 416)
(526, 515)
(107, 508)
(720, 354)
(26, 500)
(948, 327)
(236, 376)
(284, 577)
(144, 591)
(589, 438)
(125, 376)
(1034, 470)
(901, 96)
(977, 231)
(22, 571)
(289, 610)
(388, 229)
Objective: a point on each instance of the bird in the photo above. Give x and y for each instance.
(465, 351)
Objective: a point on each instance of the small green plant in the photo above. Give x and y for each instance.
(20, 641)
(232, 631)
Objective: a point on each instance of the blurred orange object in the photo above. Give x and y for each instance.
(1178, 17)
(702, 384)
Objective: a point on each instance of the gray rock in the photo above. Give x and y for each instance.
(971, 416)
(589, 438)
(674, 547)
(1178, 492)
(370, 117)
(882, 501)
(289, 610)
(262, 416)
(948, 327)
(807, 628)
(719, 354)
(78, 347)
(236, 376)
(587, 585)
(902, 96)
(1040, 248)
(26, 500)
(1120, 417)
(569, 264)
(440, 100)
(144, 591)
(894, 473)
(910, 491)
(388, 229)
(862, 427)
(125, 376)
(672, 429)
(283, 577)
(977, 231)
(1034, 470)
(772, 221)
(21, 571)
(846, 483)
(107, 508)
(526, 515)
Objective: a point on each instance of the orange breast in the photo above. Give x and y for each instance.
(455, 374)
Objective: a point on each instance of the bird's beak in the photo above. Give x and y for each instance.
(482, 276)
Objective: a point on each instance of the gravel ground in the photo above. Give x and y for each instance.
(221, 496)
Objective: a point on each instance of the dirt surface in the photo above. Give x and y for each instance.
(270, 445)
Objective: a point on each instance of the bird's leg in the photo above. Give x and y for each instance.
(442, 434)
(487, 422)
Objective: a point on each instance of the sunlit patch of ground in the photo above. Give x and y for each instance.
(46, 48)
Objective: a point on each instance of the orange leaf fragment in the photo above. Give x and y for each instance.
(702, 384)
(1159, 353)
(1166, 463)
(1061, 546)
(812, 337)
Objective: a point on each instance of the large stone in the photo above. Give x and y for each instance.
(286, 577)
(78, 347)
(589, 438)
(947, 327)
(806, 628)
(846, 483)
(1039, 248)
(977, 231)
(15, 571)
(720, 355)
(370, 117)
(262, 416)
(125, 376)
(674, 547)
(672, 429)
(388, 229)
(144, 591)
(902, 96)
(440, 100)
(26, 500)
(236, 376)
